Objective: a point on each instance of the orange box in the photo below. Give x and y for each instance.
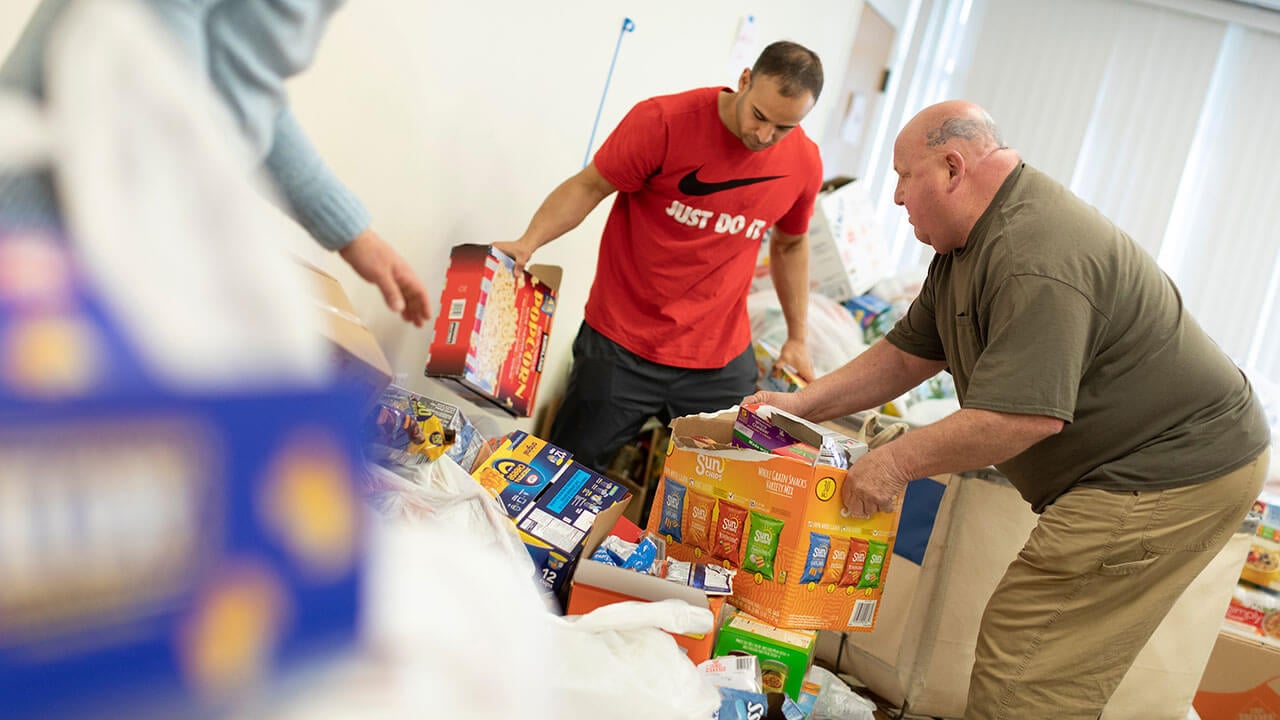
(1241, 681)
(596, 584)
(761, 498)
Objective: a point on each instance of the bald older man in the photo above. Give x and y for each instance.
(1082, 377)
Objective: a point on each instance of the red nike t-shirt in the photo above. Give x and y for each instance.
(680, 246)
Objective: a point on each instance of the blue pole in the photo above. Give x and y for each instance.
(627, 26)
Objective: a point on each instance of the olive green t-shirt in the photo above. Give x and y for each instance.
(1050, 309)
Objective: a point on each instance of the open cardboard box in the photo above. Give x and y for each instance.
(717, 488)
(1241, 681)
(596, 584)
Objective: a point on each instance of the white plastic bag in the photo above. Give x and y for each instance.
(459, 629)
(834, 336)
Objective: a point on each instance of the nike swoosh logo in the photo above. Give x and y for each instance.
(691, 185)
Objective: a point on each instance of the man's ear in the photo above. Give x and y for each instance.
(744, 80)
(955, 169)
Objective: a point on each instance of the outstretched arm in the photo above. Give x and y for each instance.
(881, 373)
(789, 268)
(336, 218)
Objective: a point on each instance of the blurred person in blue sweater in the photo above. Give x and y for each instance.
(247, 49)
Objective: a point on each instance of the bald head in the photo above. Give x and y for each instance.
(950, 162)
(955, 124)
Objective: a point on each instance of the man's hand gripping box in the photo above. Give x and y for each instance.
(802, 561)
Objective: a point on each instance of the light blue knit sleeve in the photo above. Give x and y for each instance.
(317, 199)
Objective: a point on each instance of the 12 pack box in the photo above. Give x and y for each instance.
(802, 561)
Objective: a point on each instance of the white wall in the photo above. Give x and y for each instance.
(453, 120)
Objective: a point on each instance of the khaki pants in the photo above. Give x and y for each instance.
(1099, 572)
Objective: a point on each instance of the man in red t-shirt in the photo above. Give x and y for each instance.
(700, 176)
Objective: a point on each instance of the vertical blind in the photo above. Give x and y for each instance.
(1162, 119)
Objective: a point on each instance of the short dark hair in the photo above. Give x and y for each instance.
(797, 68)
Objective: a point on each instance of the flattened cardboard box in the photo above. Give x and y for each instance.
(492, 331)
(778, 503)
(360, 359)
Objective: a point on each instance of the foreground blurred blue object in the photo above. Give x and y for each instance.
(163, 553)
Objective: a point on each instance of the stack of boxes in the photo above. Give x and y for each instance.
(756, 491)
(1242, 678)
(561, 507)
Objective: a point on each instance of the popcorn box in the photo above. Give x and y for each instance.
(785, 655)
(493, 327)
(803, 563)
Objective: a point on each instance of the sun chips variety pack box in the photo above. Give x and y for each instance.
(802, 561)
(492, 329)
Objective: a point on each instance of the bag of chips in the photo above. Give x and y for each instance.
(762, 544)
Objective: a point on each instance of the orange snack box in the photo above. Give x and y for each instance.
(806, 499)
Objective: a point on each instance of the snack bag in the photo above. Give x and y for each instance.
(855, 563)
(816, 561)
(835, 561)
(762, 544)
(701, 508)
(672, 509)
(876, 551)
(731, 520)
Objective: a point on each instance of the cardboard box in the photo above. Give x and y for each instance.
(753, 498)
(785, 655)
(519, 470)
(848, 253)
(1255, 611)
(1241, 681)
(461, 440)
(596, 584)
(1267, 507)
(1262, 566)
(360, 360)
(492, 331)
(560, 507)
(578, 503)
(160, 550)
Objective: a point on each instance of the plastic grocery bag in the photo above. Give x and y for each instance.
(458, 627)
(834, 337)
(616, 657)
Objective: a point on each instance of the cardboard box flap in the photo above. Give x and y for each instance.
(342, 326)
(636, 584)
(549, 274)
(1240, 664)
